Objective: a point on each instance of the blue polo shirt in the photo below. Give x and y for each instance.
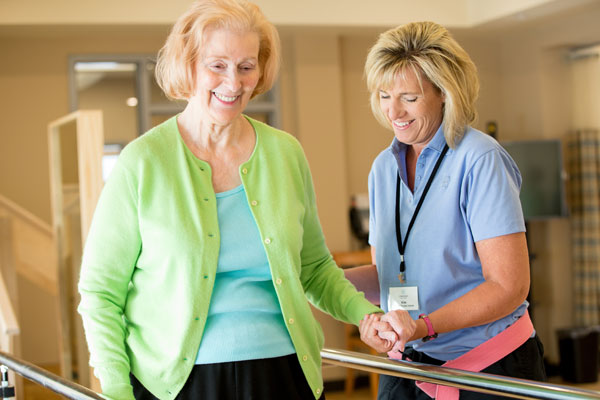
(474, 196)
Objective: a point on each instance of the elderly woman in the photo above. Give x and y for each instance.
(446, 226)
(206, 244)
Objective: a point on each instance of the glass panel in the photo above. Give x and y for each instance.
(109, 158)
(110, 87)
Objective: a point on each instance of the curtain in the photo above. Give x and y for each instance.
(583, 185)
(583, 191)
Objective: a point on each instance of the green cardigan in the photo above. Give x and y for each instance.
(150, 259)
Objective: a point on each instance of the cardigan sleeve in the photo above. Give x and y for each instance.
(323, 281)
(109, 257)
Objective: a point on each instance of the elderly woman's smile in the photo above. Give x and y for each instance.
(226, 74)
(225, 99)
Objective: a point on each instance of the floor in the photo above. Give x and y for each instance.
(33, 391)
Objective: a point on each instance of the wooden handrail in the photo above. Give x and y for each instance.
(8, 319)
(30, 246)
(25, 215)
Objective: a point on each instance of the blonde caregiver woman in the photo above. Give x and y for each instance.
(446, 230)
(205, 247)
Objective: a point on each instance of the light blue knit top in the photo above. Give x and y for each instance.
(244, 318)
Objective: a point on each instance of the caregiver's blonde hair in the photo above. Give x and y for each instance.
(431, 52)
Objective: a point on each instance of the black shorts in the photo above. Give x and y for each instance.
(526, 362)
(269, 379)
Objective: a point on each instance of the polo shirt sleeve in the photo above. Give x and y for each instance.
(111, 250)
(490, 196)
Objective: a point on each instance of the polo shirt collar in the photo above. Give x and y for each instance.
(398, 148)
(437, 143)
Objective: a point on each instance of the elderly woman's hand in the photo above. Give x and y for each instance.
(404, 327)
(377, 334)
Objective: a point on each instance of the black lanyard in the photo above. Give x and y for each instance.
(402, 244)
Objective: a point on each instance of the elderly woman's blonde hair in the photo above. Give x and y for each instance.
(177, 58)
(429, 50)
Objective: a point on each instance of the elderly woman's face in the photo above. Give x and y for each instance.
(415, 114)
(226, 74)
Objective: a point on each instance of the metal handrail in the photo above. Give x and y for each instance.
(473, 381)
(47, 379)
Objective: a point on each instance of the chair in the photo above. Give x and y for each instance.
(348, 259)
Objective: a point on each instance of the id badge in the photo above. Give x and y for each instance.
(403, 298)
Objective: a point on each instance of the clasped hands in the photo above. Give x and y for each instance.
(388, 333)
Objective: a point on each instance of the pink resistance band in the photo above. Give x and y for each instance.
(483, 356)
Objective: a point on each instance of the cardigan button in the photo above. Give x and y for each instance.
(244, 171)
(268, 241)
(254, 202)
(278, 281)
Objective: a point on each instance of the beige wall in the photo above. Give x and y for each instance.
(535, 102)
(320, 128)
(365, 139)
(325, 105)
(33, 79)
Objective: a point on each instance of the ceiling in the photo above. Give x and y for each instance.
(146, 18)
(340, 13)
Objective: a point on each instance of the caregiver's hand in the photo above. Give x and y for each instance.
(404, 327)
(376, 333)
